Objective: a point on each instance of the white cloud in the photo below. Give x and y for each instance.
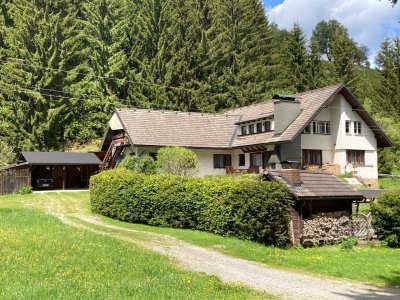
(368, 21)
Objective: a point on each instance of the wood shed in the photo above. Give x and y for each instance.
(49, 170)
(323, 205)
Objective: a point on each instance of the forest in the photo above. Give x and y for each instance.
(65, 65)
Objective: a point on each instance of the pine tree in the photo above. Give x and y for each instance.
(315, 68)
(389, 88)
(344, 61)
(295, 58)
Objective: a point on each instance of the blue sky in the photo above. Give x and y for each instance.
(368, 21)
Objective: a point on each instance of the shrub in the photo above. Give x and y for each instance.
(386, 217)
(145, 164)
(177, 161)
(349, 243)
(25, 190)
(244, 208)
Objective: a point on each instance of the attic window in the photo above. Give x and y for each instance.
(251, 129)
(267, 126)
(244, 130)
(307, 130)
(357, 128)
(259, 127)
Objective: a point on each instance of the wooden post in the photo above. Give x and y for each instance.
(64, 177)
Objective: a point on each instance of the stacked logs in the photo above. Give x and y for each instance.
(326, 228)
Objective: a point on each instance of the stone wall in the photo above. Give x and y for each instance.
(327, 227)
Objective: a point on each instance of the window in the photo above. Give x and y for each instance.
(324, 127)
(222, 160)
(153, 155)
(256, 159)
(348, 123)
(267, 126)
(307, 130)
(356, 157)
(357, 128)
(242, 160)
(244, 130)
(312, 157)
(259, 127)
(315, 127)
(251, 129)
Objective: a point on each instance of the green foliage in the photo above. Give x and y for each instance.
(177, 161)
(7, 155)
(145, 164)
(247, 209)
(386, 217)
(25, 190)
(349, 243)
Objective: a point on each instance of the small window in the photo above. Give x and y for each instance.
(356, 157)
(244, 130)
(259, 127)
(307, 130)
(256, 159)
(315, 127)
(357, 128)
(324, 127)
(348, 124)
(251, 129)
(153, 155)
(267, 126)
(312, 157)
(242, 160)
(222, 160)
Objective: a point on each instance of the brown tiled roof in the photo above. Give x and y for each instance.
(254, 139)
(254, 111)
(168, 128)
(197, 130)
(317, 185)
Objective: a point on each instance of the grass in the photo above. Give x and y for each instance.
(42, 258)
(389, 183)
(377, 265)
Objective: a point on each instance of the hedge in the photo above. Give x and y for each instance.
(244, 208)
(386, 217)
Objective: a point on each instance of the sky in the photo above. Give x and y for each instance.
(368, 21)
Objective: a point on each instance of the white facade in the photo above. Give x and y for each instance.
(335, 146)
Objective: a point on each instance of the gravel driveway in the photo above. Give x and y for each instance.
(284, 283)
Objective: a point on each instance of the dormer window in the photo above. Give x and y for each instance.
(251, 129)
(259, 127)
(325, 127)
(267, 126)
(244, 130)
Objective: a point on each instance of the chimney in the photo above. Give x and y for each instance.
(286, 110)
(292, 176)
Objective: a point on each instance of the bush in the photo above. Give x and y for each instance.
(243, 208)
(145, 164)
(386, 217)
(349, 243)
(177, 161)
(25, 190)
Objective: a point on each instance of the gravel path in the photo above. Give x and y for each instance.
(287, 284)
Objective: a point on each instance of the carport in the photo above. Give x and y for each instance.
(60, 170)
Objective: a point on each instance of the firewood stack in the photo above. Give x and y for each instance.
(326, 228)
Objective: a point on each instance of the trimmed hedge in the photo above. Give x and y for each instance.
(243, 208)
(386, 217)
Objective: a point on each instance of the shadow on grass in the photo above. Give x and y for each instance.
(388, 293)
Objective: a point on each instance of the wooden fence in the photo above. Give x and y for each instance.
(13, 179)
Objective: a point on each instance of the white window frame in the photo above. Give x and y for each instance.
(315, 127)
(307, 129)
(357, 127)
(324, 127)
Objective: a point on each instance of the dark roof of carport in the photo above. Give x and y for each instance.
(60, 158)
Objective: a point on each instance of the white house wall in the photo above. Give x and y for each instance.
(334, 146)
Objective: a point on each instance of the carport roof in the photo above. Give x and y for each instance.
(60, 158)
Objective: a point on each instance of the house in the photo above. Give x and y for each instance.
(50, 170)
(326, 128)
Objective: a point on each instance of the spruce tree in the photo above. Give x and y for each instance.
(295, 56)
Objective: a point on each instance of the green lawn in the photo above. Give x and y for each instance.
(378, 265)
(389, 183)
(41, 258)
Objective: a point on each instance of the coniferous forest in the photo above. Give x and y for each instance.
(65, 65)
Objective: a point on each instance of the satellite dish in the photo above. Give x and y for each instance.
(349, 168)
